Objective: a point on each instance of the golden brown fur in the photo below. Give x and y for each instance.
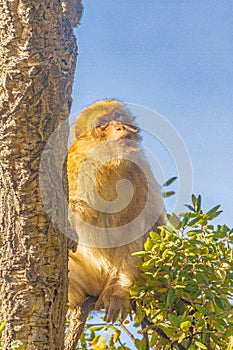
(106, 150)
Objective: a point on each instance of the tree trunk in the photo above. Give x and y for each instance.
(37, 60)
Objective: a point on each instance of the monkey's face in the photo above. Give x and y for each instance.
(104, 121)
(115, 125)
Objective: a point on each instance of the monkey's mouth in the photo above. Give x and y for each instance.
(131, 128)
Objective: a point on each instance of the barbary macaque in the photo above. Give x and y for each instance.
(114, 203)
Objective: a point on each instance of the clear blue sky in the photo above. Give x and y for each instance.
(174, 57)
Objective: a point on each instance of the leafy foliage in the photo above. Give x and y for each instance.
(188, 287)
(185, 301)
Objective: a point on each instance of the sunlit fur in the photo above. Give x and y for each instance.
(109, 272)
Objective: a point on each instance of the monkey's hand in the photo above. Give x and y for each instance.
(115, 300)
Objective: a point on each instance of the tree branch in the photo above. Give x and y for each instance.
(77, 322)
(145, 334)
(130, 335)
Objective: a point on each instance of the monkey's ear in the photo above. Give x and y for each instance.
(74, 134)
(78, 128)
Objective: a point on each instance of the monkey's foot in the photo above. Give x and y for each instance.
(116, 305)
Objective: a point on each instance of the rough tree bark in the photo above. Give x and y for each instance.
(37, 63)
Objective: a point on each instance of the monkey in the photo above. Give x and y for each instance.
(112, 218)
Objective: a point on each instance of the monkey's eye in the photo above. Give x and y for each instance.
(118, 117)
(102, 122)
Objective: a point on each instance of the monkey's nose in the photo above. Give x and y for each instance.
(117, 125)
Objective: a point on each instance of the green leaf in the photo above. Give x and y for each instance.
(185, 325)
(213, 211)
(223, 229)
(116, 335)
(168, 329)
(192, 347)
(195, 220)
(96, 328)
(201, 345)
(148, 244)
(168, 194)
(153, 339)
(155, 236)
(169, 181)
(199, 203)
(203, 310)
(209, 294)
(174, 220)
(175, 321)
(190, 207)
(180, 286)
(147, 265)
(171, 296)
(141, 253)
(180, 307)
(201, 278)
(220, 303)
(185, 221)
(215, 214)
(165, 253)
(140, 344)
(194, 201)
(193, 232)
(134, 292)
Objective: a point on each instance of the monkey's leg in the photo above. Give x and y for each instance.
(115, 300)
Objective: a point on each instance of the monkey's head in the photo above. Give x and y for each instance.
(106, 120)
